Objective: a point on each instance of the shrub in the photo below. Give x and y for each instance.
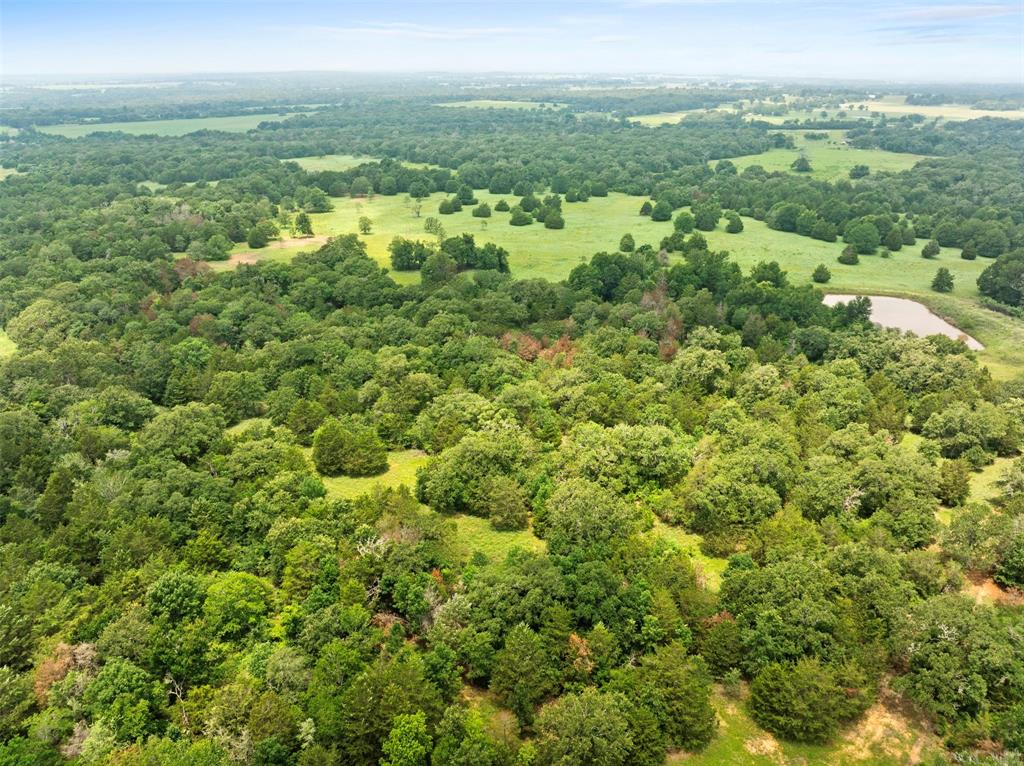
(821, 274)
(554, 220)
(662, 211)
(505, 503)
(849, 256)
(930, 249)
(348, 449)
(501, 206)
(520, 217)
(483, 210)
(943, 282)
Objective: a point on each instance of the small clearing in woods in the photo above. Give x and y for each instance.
(985, 590)
(255, 256)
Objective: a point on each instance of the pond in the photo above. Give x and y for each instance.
(908, 315)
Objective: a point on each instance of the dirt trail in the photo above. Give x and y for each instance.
(253, 256)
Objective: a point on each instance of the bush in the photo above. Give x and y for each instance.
(798, 702)
(501, 206)
(849, 256)
(821, 274)
(348, 449)
(734, 223)
(483, 210)
(930, 249)
(554, 220)
(943, 282)
(520, 217)
(645, 209)
(662, 211)
(505, 503)
(627, 244)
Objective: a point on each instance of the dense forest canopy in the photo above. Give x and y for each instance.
(183, 581)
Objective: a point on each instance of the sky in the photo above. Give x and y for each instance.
(890, 40)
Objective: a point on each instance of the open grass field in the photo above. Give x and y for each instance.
(402, 466)
(830, 159)
(883, 737)
(7, 346)
(492, 103)
(234, 124)
(598, 225)
(897, 105)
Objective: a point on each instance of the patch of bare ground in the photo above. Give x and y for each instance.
(891, 728)
(253, 256)
(984, 590)
(764, 745)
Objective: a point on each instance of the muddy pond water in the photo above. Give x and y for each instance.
(908, 315)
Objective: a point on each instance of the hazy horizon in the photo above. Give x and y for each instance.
(923, 41)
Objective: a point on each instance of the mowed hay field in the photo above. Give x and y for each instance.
(235, 124)
(831, 159)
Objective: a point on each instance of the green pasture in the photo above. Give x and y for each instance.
(234, 124)
(598, 225)
(831, 159)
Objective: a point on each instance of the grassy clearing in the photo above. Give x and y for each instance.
(402, 465)
(335, 162)
(984, 483)
(883, 737)
(342, 162)
(7, 173)
(235, 124)
(490, 103)
(830, 159)
(7, 346)
(710, 568)
(476, 535)
(671, 118)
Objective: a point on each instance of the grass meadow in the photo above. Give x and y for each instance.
(234, 124)
(598, 225)
(830, 159)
